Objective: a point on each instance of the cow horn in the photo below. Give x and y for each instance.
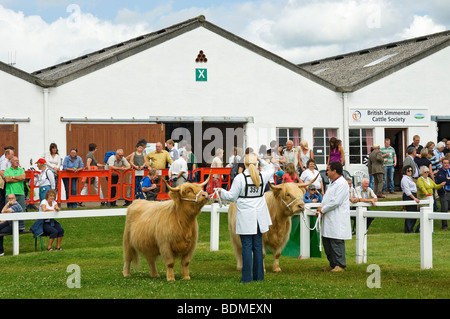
(173, 189)
(274, 186)
(309, 183)
(207, 180)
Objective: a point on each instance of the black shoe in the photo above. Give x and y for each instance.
(127, 203)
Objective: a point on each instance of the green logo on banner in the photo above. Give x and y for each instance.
(201, 75)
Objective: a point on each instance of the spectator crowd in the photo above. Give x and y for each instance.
(425, 173)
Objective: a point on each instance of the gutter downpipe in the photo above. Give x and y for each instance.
(345, 133)
(46, 116)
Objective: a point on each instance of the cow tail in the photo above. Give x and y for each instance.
(130, 254)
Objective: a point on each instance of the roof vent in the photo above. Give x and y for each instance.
(315, 63)
(421, 39)
(320, 71)
(391, 46)
(338, 58)
(381, 60)
(364, 52)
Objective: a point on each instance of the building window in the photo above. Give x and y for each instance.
(321, 143)
(286, 134)
(360, 141)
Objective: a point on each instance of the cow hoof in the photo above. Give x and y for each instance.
(126, 275)
(277, 270)
(155, 276)
(186, 278)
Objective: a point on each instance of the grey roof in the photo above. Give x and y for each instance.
(67, 71)
(352, 71)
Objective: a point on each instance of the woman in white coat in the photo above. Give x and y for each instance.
(252, 214)
(336, 225)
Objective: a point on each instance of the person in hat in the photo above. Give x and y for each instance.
(46, 179)
(312, 195)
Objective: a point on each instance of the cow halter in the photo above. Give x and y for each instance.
(193, 200)
(289, 205)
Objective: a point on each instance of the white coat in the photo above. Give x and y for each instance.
(250, 212)
(336, 211)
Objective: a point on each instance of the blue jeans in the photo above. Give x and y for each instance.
(252, 247)
(42, 191)
(71, 191)
(389, 177)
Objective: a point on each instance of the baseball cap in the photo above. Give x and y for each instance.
(41, 161)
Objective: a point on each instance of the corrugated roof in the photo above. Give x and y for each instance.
(349, 72)
(68, 70)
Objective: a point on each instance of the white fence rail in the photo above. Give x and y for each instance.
(425, 215)
(361, 213)
(15, 217)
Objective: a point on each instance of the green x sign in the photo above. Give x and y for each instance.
(201, 75)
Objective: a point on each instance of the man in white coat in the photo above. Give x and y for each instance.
(336, 225)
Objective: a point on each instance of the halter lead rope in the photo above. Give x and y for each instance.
(217, 193)
(317, 226)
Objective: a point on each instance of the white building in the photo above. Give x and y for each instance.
(151, 86)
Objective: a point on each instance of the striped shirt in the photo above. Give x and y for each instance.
(389, 158)
(366, 194)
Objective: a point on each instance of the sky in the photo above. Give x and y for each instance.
(36, 34)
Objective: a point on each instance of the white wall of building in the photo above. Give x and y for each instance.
(161, 82)
(21, 100)
(421, 85)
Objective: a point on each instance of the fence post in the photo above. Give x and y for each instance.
(361, 230)
(215, 221)
(426, 238)
(15, 233)
(305, 251)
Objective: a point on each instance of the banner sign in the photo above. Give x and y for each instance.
(388, 117)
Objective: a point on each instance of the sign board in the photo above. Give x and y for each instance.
(388, 117)
(150, 148)
(201, 75)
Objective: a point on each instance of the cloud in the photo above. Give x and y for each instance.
(38, 44)
(297, 30)
(422, 25)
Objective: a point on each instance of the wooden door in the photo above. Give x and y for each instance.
(9, 136)
(110, 137)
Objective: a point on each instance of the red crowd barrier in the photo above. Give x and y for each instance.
(125, 186)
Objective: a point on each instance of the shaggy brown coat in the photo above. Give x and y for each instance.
(167, 228)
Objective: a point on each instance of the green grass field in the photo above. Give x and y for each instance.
(95, 245)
